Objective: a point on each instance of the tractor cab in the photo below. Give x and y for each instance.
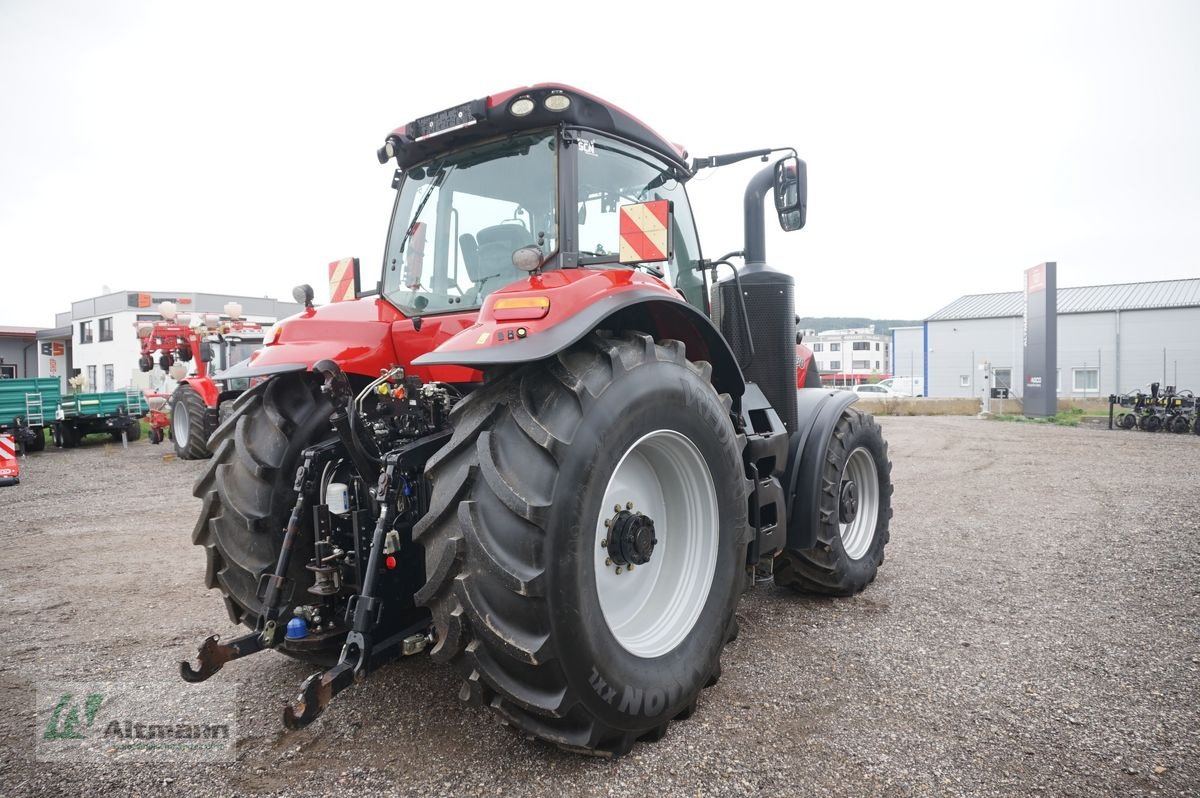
(544, 170)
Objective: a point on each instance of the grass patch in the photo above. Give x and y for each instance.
(1063, 418)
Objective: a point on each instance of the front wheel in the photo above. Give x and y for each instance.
(853, 517)
(190, 424)
(586, 542)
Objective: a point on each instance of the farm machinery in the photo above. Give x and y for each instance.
(209, 343)
(553, 448)
(27, 409)
(1163, 409)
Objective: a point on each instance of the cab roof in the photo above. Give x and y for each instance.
(522, 108)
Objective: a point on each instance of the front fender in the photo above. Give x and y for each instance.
(817, 415)
(205, 387)
(580, 301)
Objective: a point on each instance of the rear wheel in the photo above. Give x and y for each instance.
(853, 517)
(247, 493)
(190, 424)
(586, 542)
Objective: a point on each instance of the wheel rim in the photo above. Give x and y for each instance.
(652, 608)
(180, 425)
(858, 503)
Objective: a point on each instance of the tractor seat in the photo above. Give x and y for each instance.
(490, 266)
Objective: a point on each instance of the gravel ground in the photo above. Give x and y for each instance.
(1034, 631)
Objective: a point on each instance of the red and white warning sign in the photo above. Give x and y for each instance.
(343, 280)
(646, 232)
(10, 468)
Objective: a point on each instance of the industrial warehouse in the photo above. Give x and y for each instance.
(1112, 339)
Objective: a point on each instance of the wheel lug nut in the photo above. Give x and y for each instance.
(631, 566)
(618, 569)
(607, 522)
(608, 561)
(616, 508)
(628, 505)
(604, 543)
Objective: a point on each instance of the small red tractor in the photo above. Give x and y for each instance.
(208, 343)
(552, 449)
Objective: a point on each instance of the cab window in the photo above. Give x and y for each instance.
(612, 174)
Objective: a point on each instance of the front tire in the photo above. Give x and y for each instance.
(190, 424)
(518, 586)
(854, 515)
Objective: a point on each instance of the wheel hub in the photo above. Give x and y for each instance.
(848, 503)
(631, 538)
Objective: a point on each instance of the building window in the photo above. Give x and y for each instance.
(106, 329)
(876, 346)
(1086, 380)
(91, 378)
(858, 365)
(877, 365)
(108, 377)
(964, 381)
(818, 347)
(835, 347)
(861, 346)
(85, 332)
(1003, 378)
(834, 365)
(8, 371)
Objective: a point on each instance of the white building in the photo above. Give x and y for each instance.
(1111, 339)
(847, 357)
(98, 336)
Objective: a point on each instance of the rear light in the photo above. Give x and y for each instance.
(521, 307)
(389, 562)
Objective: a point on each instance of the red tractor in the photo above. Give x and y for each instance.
(212, 344)
(552, 449)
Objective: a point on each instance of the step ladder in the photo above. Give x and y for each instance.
(34, 412)
(134, 402)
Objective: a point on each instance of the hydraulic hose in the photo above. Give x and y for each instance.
(337, 388)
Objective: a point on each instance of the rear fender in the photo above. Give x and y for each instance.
(818, 412)
(581, 301)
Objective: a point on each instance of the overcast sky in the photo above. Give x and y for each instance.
(230, 147)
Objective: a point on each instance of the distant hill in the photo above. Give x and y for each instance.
(882, 326)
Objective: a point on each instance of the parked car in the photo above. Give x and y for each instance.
(876, 391)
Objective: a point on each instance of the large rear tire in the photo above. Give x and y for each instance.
(247, 492)
(854, 515)
(190, 424)
(525, 594)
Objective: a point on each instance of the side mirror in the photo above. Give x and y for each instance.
(791, 192)
(206, 352)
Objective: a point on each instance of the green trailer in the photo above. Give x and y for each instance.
(25, 407)
(113, 413)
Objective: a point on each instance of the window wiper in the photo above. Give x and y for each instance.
(437, 181)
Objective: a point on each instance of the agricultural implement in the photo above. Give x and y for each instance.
(207, 344)
(27, 409)
(115, 413)
(1163, 409)
(553, 449)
